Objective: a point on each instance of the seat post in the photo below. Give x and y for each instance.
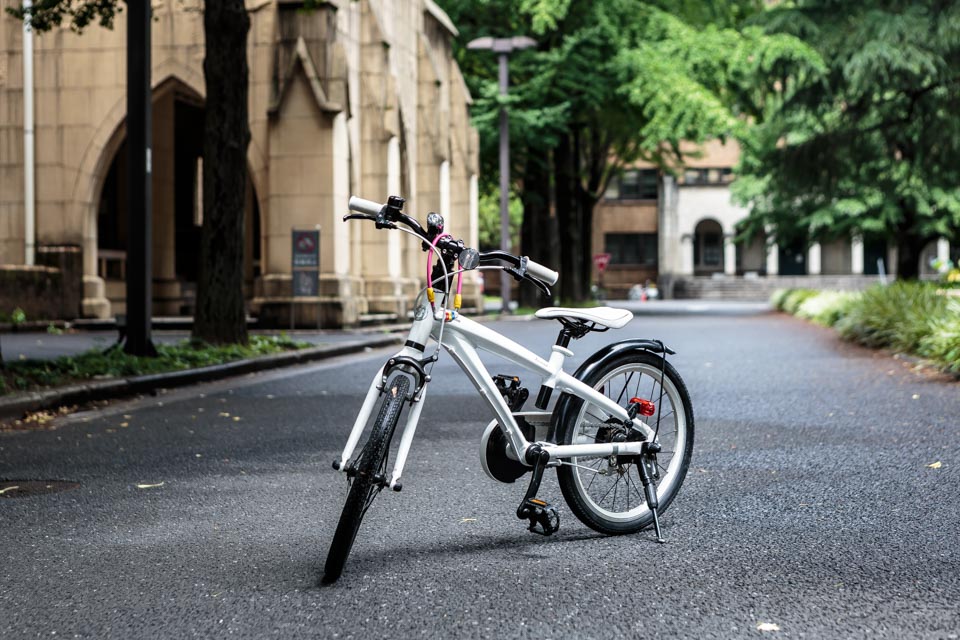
(567, 332)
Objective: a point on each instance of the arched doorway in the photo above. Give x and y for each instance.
(177, 202)
(707, 248)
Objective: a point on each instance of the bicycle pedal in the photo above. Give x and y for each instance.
(544, 518)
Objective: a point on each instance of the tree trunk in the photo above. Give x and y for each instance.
(221, 316)
(538, 231)
(596, 157)
(586, 202)
(909, 248)
(568, 222)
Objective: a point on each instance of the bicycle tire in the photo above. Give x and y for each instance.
(586, 507)
(363, 488)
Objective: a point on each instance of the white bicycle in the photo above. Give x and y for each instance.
(620, 432)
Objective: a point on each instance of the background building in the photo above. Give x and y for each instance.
(353, 98)
(680, 232)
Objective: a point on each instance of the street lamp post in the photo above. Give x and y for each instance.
(140, 218)
(503, 47)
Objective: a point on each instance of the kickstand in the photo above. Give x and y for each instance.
(649, 487)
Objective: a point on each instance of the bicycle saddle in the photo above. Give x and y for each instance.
(603, 316)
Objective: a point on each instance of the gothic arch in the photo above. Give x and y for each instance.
(109, 136)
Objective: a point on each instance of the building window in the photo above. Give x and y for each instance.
(634, 184)
(636, 249)
(708, 176)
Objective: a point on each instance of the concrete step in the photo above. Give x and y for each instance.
(739, 288)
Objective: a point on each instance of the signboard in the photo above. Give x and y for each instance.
(306, 283)
(306, 249)
(600, 261)
(305, 268)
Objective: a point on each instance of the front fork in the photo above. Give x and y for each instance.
(406, 439)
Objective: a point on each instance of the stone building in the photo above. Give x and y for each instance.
(681, 233)
(356, 97)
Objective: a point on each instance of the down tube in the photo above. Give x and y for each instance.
(466, 356)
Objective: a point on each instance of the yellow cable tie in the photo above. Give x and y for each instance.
(430, 295)
(457, 301)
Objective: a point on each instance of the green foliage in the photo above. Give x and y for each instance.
(634, 77)
(612, 82)
(26, 374)
(907, 316)
(869, 143)
(777, 298)
(827, 307)
(796, 297)
(942, 343)
(489, 223)
(896, 316)
(18, 316)
(78, 14)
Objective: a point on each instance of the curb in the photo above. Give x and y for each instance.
(122, 387)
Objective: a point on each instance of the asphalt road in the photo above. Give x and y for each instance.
(809, 505)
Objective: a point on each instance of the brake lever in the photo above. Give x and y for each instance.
(367, 216)
(540, 285)
(359, 216)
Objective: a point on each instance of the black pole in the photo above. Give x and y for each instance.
(140, 220)
(505, 244)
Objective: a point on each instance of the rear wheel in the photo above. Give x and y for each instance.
(371, 468)
(606, 494)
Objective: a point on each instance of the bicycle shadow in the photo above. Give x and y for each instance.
(380, 560)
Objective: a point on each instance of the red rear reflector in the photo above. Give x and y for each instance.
(647, 408)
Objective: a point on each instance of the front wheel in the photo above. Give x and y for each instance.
(370, 467)
(606, 494)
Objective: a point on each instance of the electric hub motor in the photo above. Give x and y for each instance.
(497, 456)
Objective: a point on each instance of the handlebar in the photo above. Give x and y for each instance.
(385, 215)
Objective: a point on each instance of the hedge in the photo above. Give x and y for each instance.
(911, 317)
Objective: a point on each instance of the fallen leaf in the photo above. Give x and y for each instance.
(199, 455)
(224, 414)
(236, 418)
(916, 396)
(462, 520)
(768, 626)
(3, 491)
(124, 424)
(935, 465)
(127, 416)
(144, 485)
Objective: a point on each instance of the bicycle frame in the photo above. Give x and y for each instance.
(462, 338)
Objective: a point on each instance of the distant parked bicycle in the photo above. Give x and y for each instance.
(620, 433)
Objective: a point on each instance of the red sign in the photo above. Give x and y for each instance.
(600, 261)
